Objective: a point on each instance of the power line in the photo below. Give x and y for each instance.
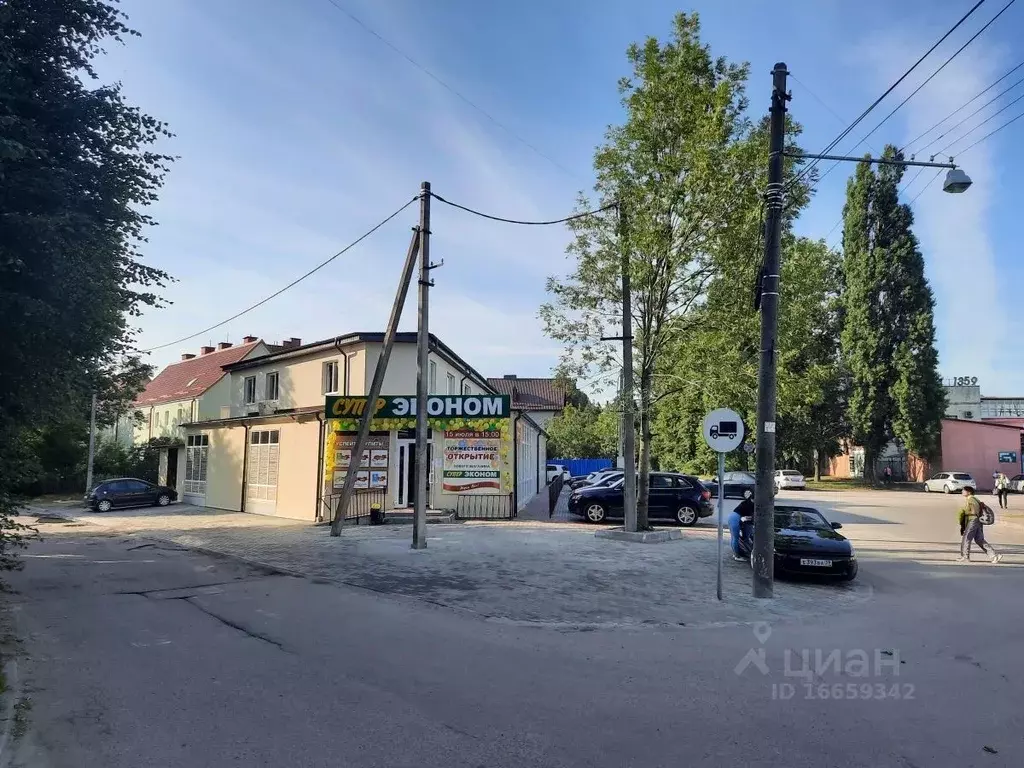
(975, 112)
(817, 98)
(492, 217)
(972, 130)
(964, 106)
(922, 85)
(832, 145)
(451, 89)
(292, 284)
(991, 133)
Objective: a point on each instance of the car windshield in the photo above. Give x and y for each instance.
(739, 477)
(790, 473)
(803, 519)
(961, 476)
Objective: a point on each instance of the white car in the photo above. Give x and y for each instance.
(949, 482)
(1017, 484)
(554, 470)
(789, 479)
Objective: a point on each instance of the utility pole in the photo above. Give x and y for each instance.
(764, 495)
(419, 518)
(92, 445)
(375, 386)
(628, 424)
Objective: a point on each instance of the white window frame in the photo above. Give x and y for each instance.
(197, 459)
(432, 381)
(451, 385)
(275, 395)
(264, 465)
(329, 380)
(249, 397)
(465, 388)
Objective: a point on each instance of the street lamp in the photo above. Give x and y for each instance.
(956, 181)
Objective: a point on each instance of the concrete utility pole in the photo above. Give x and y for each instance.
(419, 518)
(92, 445)
(628, 424)
(764, 496)
(375, 386)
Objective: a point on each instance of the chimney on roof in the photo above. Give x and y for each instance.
(248, 339)
(205, 350)
(510, 376)
(294, 341)
(224, 345)
(187, 356)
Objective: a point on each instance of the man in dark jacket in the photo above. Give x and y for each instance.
(744, 509)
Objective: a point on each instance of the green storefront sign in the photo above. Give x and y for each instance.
(438, 406)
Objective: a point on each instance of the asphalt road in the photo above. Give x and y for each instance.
(146, 654)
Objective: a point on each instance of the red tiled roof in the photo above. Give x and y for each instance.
(532, 394)
(191, 378)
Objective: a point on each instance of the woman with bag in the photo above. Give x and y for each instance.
(973, 517)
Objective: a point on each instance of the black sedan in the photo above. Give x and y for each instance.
(129, 492)
(737, 485)
(680, 498)
(806, 543)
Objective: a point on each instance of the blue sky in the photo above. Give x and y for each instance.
(297, 131)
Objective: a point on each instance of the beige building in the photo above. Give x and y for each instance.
(265, 452)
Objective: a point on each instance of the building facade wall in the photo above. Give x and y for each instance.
(299, 470)
(224, 468)
(974, 447)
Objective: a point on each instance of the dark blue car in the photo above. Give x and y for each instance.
(680, 498)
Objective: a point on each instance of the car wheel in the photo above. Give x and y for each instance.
(927, 489)
(947, 489)
(163, 500)
(596, 513)
(686, 515)
(104, 506)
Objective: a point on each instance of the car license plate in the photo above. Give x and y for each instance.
(816, 563)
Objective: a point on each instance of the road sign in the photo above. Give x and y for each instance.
(723, 430)
(749, 447)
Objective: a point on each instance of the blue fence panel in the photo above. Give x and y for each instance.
(582, 466)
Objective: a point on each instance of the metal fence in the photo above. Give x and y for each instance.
(358, 508)
(485, 506)
(554, 491)
(579, 467)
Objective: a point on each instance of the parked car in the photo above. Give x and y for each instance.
(789, 479)
(554, 470)
(737, 485)
(593, 477)
(1017, 484)
(129, 492)
(680, 498)
(805, 543)
(949, 482)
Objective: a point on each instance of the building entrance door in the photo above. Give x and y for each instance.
(406, 486)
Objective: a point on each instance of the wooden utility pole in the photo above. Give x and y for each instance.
(419, 518)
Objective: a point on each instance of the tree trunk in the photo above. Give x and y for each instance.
(870, 457)
(818, 456)
(643, 480)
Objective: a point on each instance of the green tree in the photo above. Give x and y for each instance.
(888, 337)
(670, 166)
(78, 169)
(590, 432)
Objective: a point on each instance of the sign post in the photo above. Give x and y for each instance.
(723, 432)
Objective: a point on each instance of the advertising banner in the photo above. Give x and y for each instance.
(472, 461)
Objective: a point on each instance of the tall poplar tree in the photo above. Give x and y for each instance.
(888, 337)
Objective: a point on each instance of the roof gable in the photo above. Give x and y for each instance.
(191, 378)
(532, 394)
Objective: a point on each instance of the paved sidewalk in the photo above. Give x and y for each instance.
(545, 573)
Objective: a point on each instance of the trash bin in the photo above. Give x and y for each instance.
(376, 515)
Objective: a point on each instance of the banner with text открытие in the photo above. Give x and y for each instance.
(472, 460)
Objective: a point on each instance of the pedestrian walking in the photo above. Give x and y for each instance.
(1003, 490)
(744, 509)
(973, 530)
(888, 475)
